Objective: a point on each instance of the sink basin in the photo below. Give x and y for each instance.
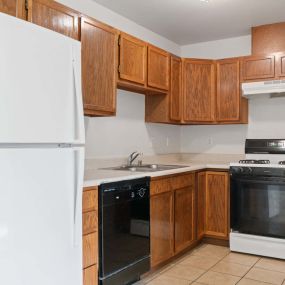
(146, 167)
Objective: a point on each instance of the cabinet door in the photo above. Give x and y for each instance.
(54, 16)
(257, 68)
(13, 7)
(280, 65)
(201, 203)
(161, 219)
(199, 90)
(99, 45)
(90, 275)
(175, 101)
(132, 66)
(184, 218)
(217, 205)
(158, 68)
(228, 90)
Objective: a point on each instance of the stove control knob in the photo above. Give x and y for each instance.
(250, 170)
(141, 192)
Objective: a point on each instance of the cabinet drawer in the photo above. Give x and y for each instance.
(90, 222)
(90, 275)
(160, 186)
(182, 181)
(90, 200)
(90, 249)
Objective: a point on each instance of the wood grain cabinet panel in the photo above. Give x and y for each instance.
(13, 7)
(201, 203)
(99, 67)
(158, 68)
(90, 249)
(256, 68)
(54, 16)
(90, 200)
(280, 65)
(217, 204)
(199, 90)
(175, 100)
(184, 220)
(161, 219)
(90, 275)
(90, 222)
(228, 90)
(133, 57)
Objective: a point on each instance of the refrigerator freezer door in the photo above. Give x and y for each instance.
(40, 210)
(40, 85)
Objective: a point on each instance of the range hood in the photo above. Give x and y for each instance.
(271, 89)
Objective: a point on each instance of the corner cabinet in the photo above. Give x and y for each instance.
(14, 8)
(54, 16)
(199, 90)
(231, 106)
(99, 67)
(213, 201)
(158, 68)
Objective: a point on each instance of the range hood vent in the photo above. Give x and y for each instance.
(271, 89)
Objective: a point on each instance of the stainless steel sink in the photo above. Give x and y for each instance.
(146, 167)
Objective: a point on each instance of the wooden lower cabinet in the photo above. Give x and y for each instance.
(213, 205)
(184, 218)
(161, 215)
(90, 236)
(172, 214)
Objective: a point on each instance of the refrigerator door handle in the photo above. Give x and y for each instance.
(79, 130)
(78, 191)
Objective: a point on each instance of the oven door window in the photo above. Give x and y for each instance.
(258, 206)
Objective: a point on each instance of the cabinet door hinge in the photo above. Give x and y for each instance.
(119, 68)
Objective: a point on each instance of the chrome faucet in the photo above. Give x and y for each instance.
(132, 157)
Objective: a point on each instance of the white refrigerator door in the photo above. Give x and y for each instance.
(40, 85)
(40, 216)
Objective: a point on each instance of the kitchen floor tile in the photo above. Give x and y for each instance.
(216, 278)
(268, 276)
(240, 258)
(271, 264)
(184, 272)
(168, 280)
(231, 268)
(246, 281)
(212, 250)
(200, 261)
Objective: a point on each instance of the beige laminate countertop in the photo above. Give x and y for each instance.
(94, 177)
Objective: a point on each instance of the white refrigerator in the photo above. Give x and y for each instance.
(41, 156)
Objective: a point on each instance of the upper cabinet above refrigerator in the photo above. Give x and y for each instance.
(41, 98)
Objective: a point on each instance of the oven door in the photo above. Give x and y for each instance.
(258, 205)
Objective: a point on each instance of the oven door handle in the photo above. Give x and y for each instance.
(274, 180)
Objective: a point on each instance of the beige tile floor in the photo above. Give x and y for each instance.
(216, 265)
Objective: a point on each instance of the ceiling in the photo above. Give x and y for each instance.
(192, 21)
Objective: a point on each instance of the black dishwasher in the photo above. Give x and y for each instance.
(124, 231)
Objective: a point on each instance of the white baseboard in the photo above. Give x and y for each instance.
(258, 245)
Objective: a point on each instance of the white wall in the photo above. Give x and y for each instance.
(93, 9)
(231, 47)
(127, 132)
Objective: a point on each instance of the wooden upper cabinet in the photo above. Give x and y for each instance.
(175, 100)
(257, 68)
(199, 90)
(228, 90)
(280, 65)
(217, 204)
(54, 16)
(133, 59)
(184, 218)
(99, 67)
(13, 7)
(161, 219)
(158, 68)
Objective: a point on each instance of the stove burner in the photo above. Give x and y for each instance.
(282, 162)
(254, 161)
